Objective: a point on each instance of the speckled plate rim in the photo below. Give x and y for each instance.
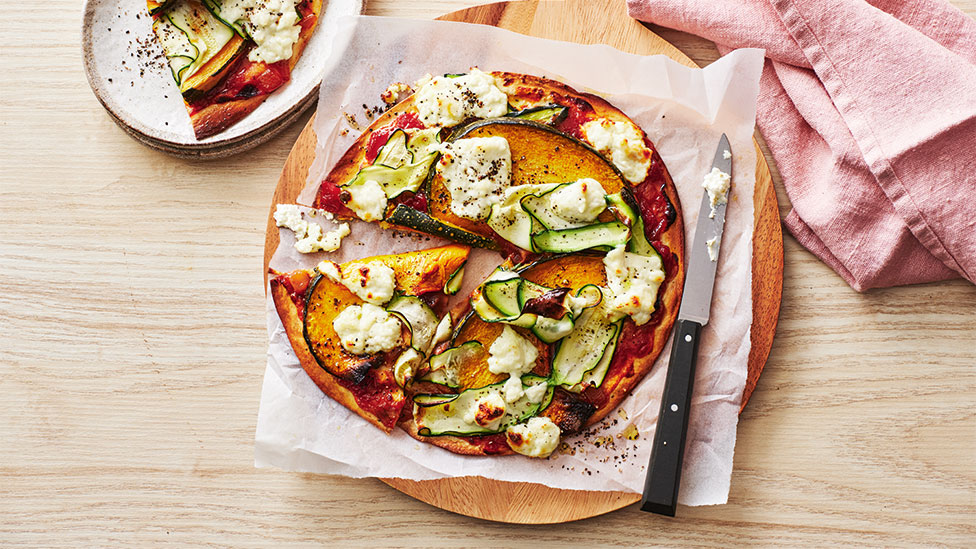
(206, 150)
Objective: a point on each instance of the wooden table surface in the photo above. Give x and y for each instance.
(132, 349)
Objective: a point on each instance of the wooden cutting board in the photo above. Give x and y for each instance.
(584, 22)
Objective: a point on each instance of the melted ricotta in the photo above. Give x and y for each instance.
(476, 171)
(367, 329)
(625, 145)
(633, 281)
(538, 437)
(446, 101)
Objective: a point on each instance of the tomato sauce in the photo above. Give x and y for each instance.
(490, 444)
(378, 138)
(578, 114)
(247, 79)
(329, 198)
(656, 209)
(296, 284)
(377, 394)
(417, 201)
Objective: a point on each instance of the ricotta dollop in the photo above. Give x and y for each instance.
(717, 185)
(712, 246)
(367, 329)
(447, 101)
(537, 437)
(372, 282)
(476, 171)
(579, 202)
(272, 24)
(625, 145)
(367, 200)
(514, 355)
(486, 411)
(309, 236)
(633, 281)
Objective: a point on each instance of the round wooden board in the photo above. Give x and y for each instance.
(585, 22)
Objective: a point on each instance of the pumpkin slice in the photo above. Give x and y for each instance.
(307, 304)
(540, 154)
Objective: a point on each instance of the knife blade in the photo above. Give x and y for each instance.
(667, 452)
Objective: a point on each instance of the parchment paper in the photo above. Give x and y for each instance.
(684, 111)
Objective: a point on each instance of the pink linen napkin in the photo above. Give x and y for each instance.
(869, 110)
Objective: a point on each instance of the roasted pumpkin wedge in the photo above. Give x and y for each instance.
(570, 271)
(214, 70)
(540, 154)
(417, 274)
(326, 298)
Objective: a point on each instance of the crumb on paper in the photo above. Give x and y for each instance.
(395, 93)
(351, 120)
(630, 432)
(623, 414)
(605, 441)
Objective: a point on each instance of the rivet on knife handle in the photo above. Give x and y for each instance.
(664, 472)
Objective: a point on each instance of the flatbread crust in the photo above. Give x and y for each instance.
(292, 321)
(417, 273)
(628, 367)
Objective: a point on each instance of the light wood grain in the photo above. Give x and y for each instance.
(132, 345)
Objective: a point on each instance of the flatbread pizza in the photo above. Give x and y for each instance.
(575, 199)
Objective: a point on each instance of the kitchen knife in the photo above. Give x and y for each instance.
(664, 472)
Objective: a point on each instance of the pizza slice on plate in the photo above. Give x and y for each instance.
(361, 328)
(227, 56)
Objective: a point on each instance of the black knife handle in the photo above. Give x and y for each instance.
(664, 471)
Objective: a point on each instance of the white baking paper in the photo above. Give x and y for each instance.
(683, 111)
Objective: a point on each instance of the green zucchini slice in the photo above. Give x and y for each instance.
(420, 221)
(230, 14)
(546, 114)
(625, 206)
(402, 164)
(503, 295)
(156, 6)
(552, 330)
(488, 313)
(394, 153)
(190, 36)
(599, 236)
(530, 290)
(594, 377)
(438, 415)
(444, 365)
(583, 349)
(418, 317)
(453, 283)
(540, 207)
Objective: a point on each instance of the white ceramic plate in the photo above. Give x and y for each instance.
(128, 73)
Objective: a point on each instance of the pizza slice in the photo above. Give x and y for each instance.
(361, 329)
(227, 56)
(551, 346)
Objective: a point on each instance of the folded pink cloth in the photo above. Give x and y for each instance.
(869, 110)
